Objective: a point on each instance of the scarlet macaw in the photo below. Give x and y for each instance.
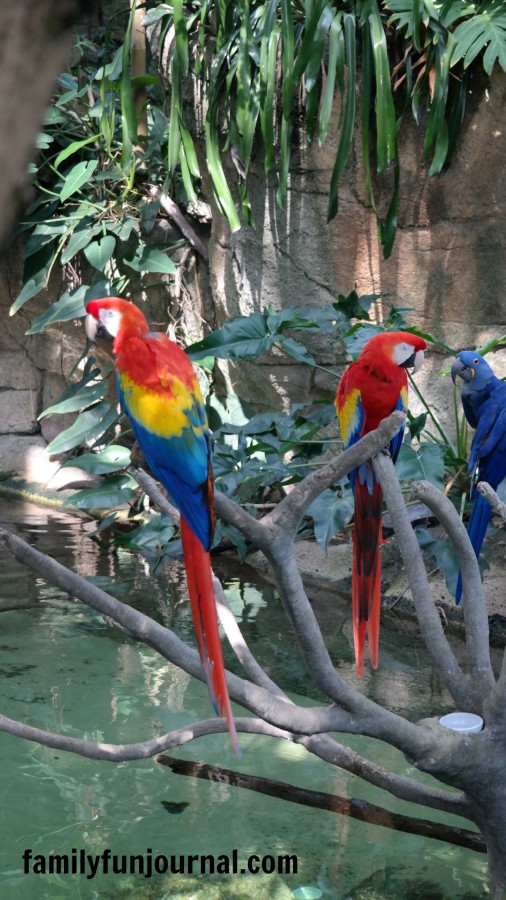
(159, 390)
(484, 402)
(369, 390)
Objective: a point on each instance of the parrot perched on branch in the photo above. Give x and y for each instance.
(484, 402)
(369, 390)
(159, 390)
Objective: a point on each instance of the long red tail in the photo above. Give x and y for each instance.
(205, 622)
(366, 573)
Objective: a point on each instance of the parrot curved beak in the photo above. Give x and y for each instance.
(459, 369)
(414, 361)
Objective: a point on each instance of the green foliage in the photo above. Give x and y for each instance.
(91, 195)
(270, 53)
(253, 60)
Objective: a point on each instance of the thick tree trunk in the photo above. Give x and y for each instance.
(34, 39)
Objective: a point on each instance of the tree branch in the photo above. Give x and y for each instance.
(491, 497)
(481, 679)
(427, 614)
(290, 510)
(173, 211)
(356, 809)
(327, 748)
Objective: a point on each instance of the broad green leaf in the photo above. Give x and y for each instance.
(426, 463)
(485, 29)
(78, 176)
(386, 127)
(87, 427)
(113, 491)
(443, 553)
(356, 338)
(81, 400)
(296, 350)
(343, 151)
(110, 459)
(99, 252)
(82, 235)
(149, 259)
(73, 148)
(71, 306)
(149, 538)
(112, 71)
(42, 235)
(336, 47)
(331, 512)
(244, 337)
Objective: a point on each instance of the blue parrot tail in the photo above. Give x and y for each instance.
(476, 529)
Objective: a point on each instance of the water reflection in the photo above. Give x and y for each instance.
(66, 669)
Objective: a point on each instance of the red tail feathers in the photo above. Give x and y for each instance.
(205, 621)
(366, 573)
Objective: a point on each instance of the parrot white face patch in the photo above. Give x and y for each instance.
(403, 352)
(110, 320)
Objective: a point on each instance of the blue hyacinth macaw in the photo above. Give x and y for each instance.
(484, 403)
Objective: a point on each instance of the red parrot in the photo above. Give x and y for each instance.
(369, 390)
(159, 390)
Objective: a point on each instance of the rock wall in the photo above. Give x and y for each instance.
(448, 261)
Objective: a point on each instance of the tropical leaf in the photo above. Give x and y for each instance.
(112, 458)
(331, 512)
(99, 252)
(88, 426)
(113, 491)
(244, 337)
(70, 306)
(149, 259)
(486, 29)
(79, 175)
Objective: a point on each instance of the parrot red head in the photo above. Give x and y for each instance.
(398, 347)
(114, 318)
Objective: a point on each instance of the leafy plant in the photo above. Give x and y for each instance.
(91, 199)
(275, 60)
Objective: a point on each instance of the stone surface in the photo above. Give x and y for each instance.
(18, 412)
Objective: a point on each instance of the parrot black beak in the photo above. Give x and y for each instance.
(459, 369)
(409, 363)
(94, 329)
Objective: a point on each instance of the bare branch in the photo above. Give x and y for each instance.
(327, 748)
(491, 497)
(142, 749)
(356, 809)
(428, 617)
(150, 487)
(475, 610)
(172, 210)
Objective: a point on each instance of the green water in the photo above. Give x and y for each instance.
(65, 669)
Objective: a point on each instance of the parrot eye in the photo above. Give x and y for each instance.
(476, 361)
